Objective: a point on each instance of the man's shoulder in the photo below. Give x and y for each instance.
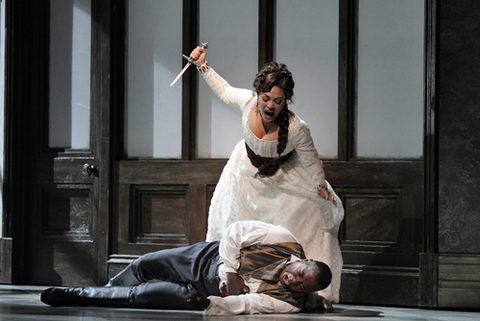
(279, 234)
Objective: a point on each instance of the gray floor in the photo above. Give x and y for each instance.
(22, 303)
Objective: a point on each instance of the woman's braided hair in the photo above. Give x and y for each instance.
(275, 74)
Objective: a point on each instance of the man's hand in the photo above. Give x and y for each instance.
(235, 284)
(316, 302)
(197, 300)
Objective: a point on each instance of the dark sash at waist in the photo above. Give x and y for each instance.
(257, 160)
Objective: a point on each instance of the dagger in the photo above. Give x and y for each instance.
(190, 61)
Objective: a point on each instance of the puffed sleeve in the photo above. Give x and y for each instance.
(247, 233)
(251, 303)
(299, 135)
(230, 95)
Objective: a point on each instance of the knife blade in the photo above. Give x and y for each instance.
(189, 63)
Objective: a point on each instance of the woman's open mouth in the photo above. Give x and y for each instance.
(269, 113)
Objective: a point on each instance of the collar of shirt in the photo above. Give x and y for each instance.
(293, 258)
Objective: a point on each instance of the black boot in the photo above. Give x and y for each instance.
(116, 297)
(124, 278)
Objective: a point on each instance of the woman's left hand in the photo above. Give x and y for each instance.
(326, 195)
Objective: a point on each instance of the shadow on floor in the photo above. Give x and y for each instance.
(339, 312)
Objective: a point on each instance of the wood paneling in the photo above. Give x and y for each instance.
(66, 212)
(158, 214)
(382, 233)
(61, 234)
(380, 285)
(373, 216)
(459, 281)
(162, 204)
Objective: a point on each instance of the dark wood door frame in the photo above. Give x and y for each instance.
(428, 296)
(101, 103)
(18, 58)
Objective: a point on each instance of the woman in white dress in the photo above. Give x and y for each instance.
(274, 174)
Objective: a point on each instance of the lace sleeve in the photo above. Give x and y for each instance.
(305, 148)
(230, 95)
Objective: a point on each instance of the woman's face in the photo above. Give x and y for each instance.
(270, 104)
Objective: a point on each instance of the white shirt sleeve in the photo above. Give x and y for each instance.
(247, 233)
(252, 303)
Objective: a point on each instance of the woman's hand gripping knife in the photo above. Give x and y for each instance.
(198, 54)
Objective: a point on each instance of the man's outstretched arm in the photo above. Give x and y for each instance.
(253, 303)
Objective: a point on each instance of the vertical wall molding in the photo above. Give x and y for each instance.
(266, 31)
(429, 259)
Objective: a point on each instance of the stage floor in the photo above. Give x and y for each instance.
(23, 303)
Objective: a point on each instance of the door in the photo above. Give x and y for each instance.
(381, 182)
(68, 181)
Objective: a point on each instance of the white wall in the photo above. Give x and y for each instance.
(390, 74)
(390, 79)
(153, 109)
(70, 53)
(307, 42)
(231, 28)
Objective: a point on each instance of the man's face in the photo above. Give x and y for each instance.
(300, 276)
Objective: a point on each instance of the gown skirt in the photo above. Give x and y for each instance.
(287, 198)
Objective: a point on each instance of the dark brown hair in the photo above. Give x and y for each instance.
(275, 74)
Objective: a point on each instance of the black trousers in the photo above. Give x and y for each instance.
(179, 270)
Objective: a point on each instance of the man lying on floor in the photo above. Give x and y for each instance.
(255, 268)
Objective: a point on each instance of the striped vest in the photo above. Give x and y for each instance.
(266, 262)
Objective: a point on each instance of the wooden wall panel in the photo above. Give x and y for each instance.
(158, 214)
(373, 216)
(381, 236)
(62, 252)
(159, 205)
(66, 212)
(459, 281)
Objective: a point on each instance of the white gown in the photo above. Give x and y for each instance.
(289, 198)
